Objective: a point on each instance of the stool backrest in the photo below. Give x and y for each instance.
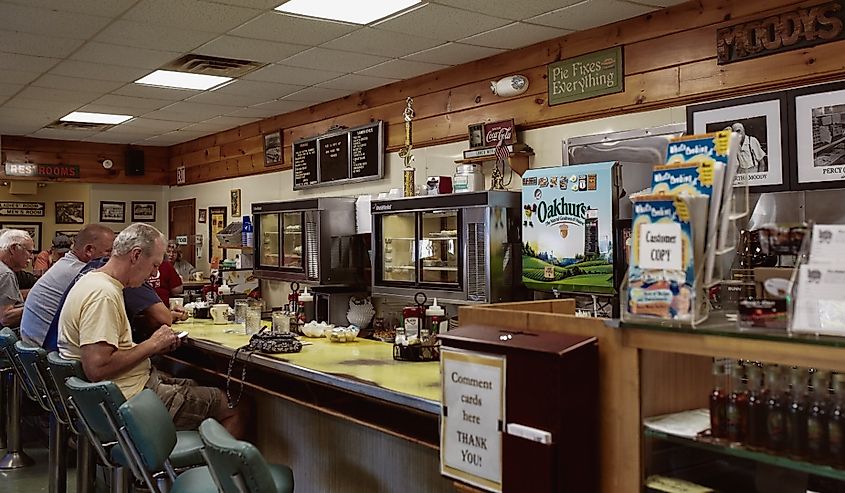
(97, 405)
(58, 370)
(8, 339)
(150, 428)
(33, 361)
(237, 466)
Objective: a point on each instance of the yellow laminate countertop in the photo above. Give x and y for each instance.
(362, 361)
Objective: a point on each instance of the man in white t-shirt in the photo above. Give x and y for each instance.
(94, 328)
(751, 153)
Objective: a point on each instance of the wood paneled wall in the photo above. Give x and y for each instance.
(670, 59)
(89, 157)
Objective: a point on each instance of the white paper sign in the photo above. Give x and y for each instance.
(660, 246)
(820, 300)
(828, 244)
(472, 413)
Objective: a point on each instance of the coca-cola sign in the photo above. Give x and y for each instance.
(501, 130)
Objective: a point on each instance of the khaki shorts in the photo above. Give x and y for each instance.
(189, 404)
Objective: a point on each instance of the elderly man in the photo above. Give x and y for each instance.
(94, 328)
(42, 303)
(15, 252)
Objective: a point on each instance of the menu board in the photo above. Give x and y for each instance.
(349, 155)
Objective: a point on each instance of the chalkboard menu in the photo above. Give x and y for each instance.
(349, 155)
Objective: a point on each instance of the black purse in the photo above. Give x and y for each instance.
(265, 342)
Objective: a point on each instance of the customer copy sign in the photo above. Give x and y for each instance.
(472, 417)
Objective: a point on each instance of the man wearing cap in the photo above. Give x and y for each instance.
(42, 303)
(46, 259)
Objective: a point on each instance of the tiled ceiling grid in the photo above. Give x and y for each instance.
(58, 56)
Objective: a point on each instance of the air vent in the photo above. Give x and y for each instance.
(212, 65)
(312, 253)
(79, 126)
(476, 262)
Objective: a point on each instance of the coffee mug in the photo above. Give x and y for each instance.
(197, 276)
(177, 302)
(220, 313)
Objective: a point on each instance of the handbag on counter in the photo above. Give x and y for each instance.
(264, 341)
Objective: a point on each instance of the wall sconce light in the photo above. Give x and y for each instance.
(510, 86)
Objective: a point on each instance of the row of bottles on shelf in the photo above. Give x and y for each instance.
(791, 410)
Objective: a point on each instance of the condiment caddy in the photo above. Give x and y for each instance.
(416, 336)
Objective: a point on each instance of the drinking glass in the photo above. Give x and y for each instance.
(281, 322)
(253, 320)
(240, 311)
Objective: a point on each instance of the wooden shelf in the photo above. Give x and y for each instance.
(518, 160)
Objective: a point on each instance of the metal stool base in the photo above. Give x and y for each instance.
(15, 460)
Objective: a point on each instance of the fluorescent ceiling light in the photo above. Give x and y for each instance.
(106, 118)
(345, 10)
(182, 80)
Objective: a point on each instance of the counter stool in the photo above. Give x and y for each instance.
(58, 370)
(15, 457)
(97, 405)
(33, 360)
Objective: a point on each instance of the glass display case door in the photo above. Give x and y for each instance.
(292, 244)
(440, 248)
(398, 248)
(269, 246)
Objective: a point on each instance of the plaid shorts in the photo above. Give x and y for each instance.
(189, 404)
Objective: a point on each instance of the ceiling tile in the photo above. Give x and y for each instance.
(515, 35)
(9, 89)
(118, 138)
(439, 22)
(25, 62)
(107, 8)
(343, 61)
(198, 15)
(355, 82)
(188, 112)
(258, 50)
(62, 134)
(507, 8)
(17, 77)
(124, 55)
(378, 42)
(402, 69)
(148, 125)
(142, 91)
(291, 75)
(52, 107)
(218, 124)
(265, 90)
(48, 22)
(316, 95)
(17, 128)
(278, 107)
(33, 44)
(589, 14)
(152, 36)
(238, 100)
(660, 3)
(256, 4)
(453, 54)
(76, 68)
(76, 84)
(275, 26)
(136, 104)
(256, 112)
(58, 95)
(174, 138)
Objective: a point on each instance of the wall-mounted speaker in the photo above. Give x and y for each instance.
(134, 162)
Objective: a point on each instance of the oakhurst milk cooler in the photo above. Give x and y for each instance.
(549, 434)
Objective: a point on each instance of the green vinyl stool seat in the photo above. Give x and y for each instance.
(185, 454)
(234, 467)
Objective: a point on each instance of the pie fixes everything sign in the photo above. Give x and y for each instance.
(586, 76)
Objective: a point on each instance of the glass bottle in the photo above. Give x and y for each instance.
(757, 397)
(836, 421)
(718, 401)
(776, 408)
(736, 410)
(796, 413)
(817, 441)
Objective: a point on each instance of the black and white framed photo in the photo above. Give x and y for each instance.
(70, 212)
(34, 230)
(143, 212)
(201, 215)
(112, 212)
(69, 234)
(273, 153)
(760, 120)
(817, 136)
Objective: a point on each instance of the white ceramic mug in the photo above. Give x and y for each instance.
(220, 313)
(177, 302)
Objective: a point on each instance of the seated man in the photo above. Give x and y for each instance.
(15, 252)
(42, 303)
(94, 329)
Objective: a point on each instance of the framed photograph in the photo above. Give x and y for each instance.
(476, 135)
(143, 212)
(817, 136)
(216, 223)
(273, 153)
(70, 212)
(34, 230)
(760, 120)
(201, 215)
(112, 212)
(236, 202)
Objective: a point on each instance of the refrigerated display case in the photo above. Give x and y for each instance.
(461, 248)
(310, 240)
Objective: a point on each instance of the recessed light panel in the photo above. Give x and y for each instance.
(182, 80)
(345, 10)
(103, 118)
